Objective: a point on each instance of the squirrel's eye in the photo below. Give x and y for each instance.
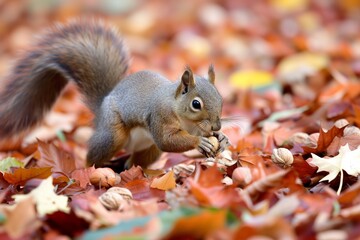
(196, 104)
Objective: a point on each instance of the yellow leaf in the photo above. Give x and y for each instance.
(165, 182)
(289, 5)
(298, 66)
(249, 78)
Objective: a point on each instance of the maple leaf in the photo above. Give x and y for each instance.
(58, 159)
(346, 160)
(325, 139)
(47, 201)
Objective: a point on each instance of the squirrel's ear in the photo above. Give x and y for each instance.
(187, 81)
(211, 73)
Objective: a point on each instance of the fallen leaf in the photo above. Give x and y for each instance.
(83, 175)
(165, 182)
(22, 219)
(45, 198)
(7, 163)
(141, 190)
(58, 159)
(60, 221)
(325, 139)
(250, 79)
(21, 175)
(298, 66)
(346, 160)
(198, 226)
(133, 173)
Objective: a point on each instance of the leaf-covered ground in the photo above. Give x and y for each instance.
(289, 74)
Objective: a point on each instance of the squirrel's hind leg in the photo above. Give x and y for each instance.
(107, 140)
(144, 157)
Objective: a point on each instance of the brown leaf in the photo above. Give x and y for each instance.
(133, 173)
(58, 159)
(21, 175)
(304, 170)
(325, 139)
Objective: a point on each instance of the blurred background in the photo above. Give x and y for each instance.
(233, 34)
(286, 51)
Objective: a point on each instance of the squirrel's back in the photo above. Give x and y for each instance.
(87, 52)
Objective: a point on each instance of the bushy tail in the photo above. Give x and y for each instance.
(89, 53)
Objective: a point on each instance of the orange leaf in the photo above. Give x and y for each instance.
(198, 226)
(22, 175)
(165, 182)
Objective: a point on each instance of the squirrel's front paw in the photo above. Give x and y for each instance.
(223, 141)
(206, 148)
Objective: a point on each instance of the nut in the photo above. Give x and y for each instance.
(123, 192)
(111, 200)
(188, 169)
(215, 142)
(104, 177)
(241, 176)
(300, 138)
(227, 181)
(282, 157)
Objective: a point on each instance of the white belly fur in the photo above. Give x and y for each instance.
(139, 139)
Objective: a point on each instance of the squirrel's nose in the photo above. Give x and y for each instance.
(216, 126)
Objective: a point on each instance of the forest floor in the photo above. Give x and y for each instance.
(289, 75)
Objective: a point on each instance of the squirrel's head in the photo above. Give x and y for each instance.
(199, 103)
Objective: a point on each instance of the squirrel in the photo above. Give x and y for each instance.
(142, 112)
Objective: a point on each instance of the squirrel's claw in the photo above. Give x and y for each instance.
(223, 141)
(205, 147)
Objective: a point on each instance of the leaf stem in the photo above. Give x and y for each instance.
(341, 182)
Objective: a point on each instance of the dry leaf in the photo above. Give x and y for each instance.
(165, 182)
(46, 200)
(21, 175)
(58, 159)
(346, 160)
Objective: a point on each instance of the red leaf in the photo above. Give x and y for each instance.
(141, 190)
